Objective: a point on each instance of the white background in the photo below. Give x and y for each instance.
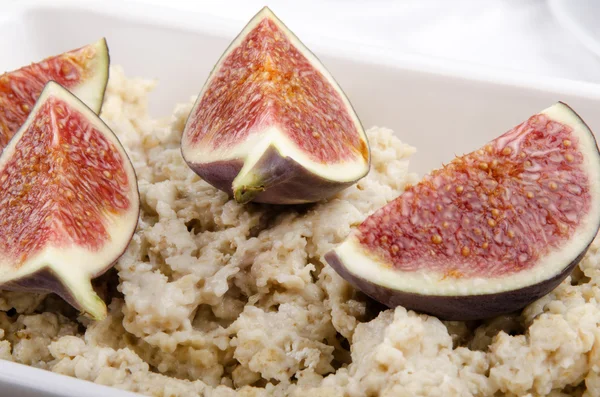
(521, 35)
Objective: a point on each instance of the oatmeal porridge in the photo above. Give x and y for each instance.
(218, 299)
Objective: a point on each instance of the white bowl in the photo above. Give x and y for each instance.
(442, 108)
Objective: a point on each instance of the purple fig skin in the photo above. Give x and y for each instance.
(45, 281)
(288, 182)
(219, 173)
(41, 282)
(454, 308)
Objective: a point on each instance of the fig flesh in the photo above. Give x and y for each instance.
(488, 233)
(69, 203)
(271, 125)
(84, 71)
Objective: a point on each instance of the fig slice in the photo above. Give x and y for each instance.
(271, 125)
(69, 203)
(84, 71)
(488, 233)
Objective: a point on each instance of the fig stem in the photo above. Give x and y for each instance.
(248, 185)
(245, 194)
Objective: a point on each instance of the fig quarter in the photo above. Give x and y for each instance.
(83, 71)
(69, 203)
(271, 125)
(488, 233)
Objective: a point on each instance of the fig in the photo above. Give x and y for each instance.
(69, 203)
(271, 125)
(84, 71)
(488, 233)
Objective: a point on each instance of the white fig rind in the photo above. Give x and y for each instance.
(91, 91)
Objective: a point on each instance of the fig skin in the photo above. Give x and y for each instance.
(46, 281)
(454, 308)
(285, 181)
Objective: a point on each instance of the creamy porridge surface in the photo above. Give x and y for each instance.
(217, 299)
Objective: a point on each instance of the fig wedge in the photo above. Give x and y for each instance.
(84, 71)
(271, 125)
(488, 233)
(69, 203)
